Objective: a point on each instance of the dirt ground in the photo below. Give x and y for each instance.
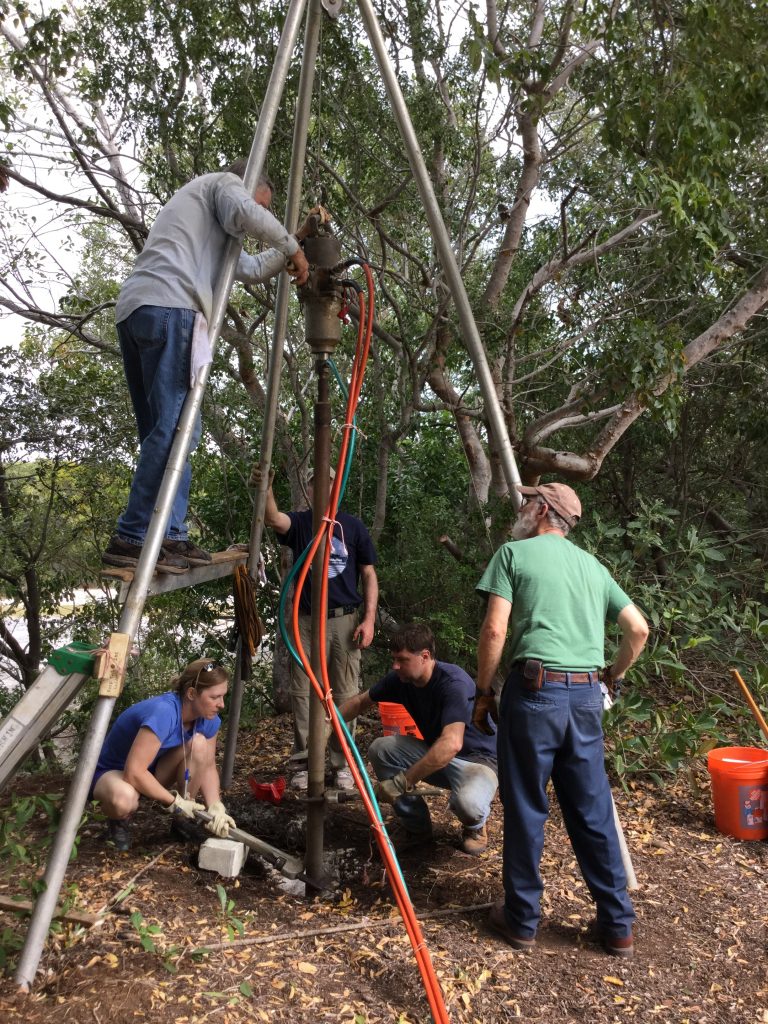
(257, 948)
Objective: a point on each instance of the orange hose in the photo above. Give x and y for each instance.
(324, 693)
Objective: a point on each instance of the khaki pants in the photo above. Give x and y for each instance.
(343, 671)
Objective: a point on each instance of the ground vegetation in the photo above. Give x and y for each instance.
(601, 169)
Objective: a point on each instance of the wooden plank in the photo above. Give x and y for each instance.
(26, 907)
(111, 671)
(222, 564)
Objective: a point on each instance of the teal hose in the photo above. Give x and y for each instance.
(285, 590)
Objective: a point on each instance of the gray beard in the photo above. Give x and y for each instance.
(521, 530)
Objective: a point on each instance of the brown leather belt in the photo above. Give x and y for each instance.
(551, 676)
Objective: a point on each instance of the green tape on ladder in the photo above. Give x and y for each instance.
(74, 657)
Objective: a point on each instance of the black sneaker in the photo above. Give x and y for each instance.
(119, 833)
(186, 549)
(125, 555)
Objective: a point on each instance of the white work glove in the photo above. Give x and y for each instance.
(183, 806)
(220, 822)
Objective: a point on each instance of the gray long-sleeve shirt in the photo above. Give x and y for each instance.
(182, 257)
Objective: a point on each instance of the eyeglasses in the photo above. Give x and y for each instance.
(208, 667)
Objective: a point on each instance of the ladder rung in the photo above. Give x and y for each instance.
(222, 564)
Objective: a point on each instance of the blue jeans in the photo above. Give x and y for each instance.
(472, 785)
(156, 345)
(557, 732)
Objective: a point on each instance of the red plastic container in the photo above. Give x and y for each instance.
(395, 721)
(740, 791)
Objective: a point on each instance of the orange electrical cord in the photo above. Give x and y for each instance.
(413, 928)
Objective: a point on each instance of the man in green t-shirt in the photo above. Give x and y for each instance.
(555, 599)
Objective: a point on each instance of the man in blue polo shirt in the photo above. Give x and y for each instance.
(353, 556)
(453, 754)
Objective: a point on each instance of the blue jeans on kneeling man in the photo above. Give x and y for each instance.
(472, 785)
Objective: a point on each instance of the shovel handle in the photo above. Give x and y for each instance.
(752, 703)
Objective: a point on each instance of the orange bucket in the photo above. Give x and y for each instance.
(395, 721)
(740, 791)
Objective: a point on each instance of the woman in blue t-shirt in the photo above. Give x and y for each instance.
(163, 742)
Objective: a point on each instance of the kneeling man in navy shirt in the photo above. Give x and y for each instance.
(453, 754)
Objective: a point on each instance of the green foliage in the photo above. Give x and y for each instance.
(28, 825)
(693, 130)
(667, 115)
(147, 932)
(16, 850)
(232, 925)
(674, 709)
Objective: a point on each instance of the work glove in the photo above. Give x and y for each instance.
(389, 790)
(220, 822)
(183, 806)
(316, 217)
(612, 685)
(485, 708)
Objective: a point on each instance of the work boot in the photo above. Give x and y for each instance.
(119, 833)
(615, 946)
(186, 549)
(474, 841)
(623, 946)
(120, 553)
(497, 919)
(125, 555)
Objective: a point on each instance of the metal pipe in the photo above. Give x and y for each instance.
(279, 331)
(288, 866)
(233, 718)
(626, 859)
(45, 905)
(133, 608)
(471, 336)
(316, 739)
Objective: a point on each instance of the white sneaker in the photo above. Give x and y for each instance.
(344, 779)
(300, 780)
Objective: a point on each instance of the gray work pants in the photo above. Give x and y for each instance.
(343, 671)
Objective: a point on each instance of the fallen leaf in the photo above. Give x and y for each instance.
(307, 968)
(611, 980)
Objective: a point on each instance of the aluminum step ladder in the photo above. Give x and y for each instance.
(33, 716)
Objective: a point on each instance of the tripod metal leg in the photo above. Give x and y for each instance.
(134, 605)
(45, 905)
(292, 209)
(451, 270)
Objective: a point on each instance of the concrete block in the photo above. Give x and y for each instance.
(224, 856)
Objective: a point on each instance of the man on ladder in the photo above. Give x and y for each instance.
(162, 318)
